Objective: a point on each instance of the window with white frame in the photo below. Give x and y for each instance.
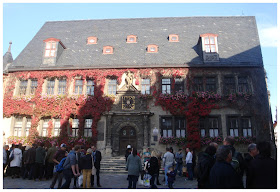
(90, 87)
(210, 45)
(166, 86)
(246, 126)
(23, 87)
(56, 129)
(34, 85)
(61, 86)
(180, 126)
(166, 126)
(78, 86)
(50, 87)
(233, 126)
(201, 125)
(45, 127)
(112, 87)
(87, 128)
(18, 126)
(213, 127)
(75, 127)
(28, 126)
(145, 86)
(50, 49)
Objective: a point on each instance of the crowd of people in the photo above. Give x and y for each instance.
(38, 162)
(217, 167)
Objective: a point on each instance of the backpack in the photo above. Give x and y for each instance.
(235, 163)
(59, 167)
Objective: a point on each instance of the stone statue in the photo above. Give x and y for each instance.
(128, 79)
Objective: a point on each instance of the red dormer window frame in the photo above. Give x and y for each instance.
(89, 40)
(173, 35)
(152, 46)
(129, 37)
(52, 48)
(108, 50)
(210, 42)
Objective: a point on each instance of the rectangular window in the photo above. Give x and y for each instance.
(166, 86)
(179, 85)
(197, 84)
(166, 126)
(34, 85)
(75, 127)
(23, 87)
(45, 127)
(211, 84)
(246, 127)
(56, 129)
(87, 129)
(213, 127)
(180, 126)
(209, 43)
(112, 87)
(50, 49)
(145, 86)
(229, 85)
(61, 86)
(50, 87)
(243, 86)
(78, 86)
(201, 125)
(90, 87)
(18, 126)
(233, 126)
(28, 126)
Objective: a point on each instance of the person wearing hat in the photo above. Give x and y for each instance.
(127, 152)
(58, 156)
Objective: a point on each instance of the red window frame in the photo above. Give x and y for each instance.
(52, 47)
(152, 46)
(173, 35)
(129, 37)
(209, 44)
(92, 38)
(110, 48)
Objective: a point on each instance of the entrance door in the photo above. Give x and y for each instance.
(127, 137)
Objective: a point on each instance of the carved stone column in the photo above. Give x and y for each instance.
(146, 134)
(108, 136)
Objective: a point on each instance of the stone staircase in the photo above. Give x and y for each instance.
(113, 165)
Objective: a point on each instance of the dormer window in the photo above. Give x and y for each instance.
(108, 50)
(50, 49)
(92, 40)
(173, 38)
(131, 39)
(152, 49)
(209, 43)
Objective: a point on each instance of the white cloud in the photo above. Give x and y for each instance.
(268, 36)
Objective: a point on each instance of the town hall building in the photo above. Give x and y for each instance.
(144, 82)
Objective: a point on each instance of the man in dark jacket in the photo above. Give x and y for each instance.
(229, 141)
(49, 161)
(222, 174)
(97, 158)
(39, 162)
(262, 171)
(206, 161)
(30, 161)
(153, 169)
(248, 157)
(58, 156)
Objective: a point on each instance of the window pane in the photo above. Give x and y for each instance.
(236, 132)
(174, 38)
(212, 40)
(79, 86)
(250, 132)
(216, 132)
(213, 48)
(166, 81)
(164, 133)
(245, 132)
(178, 133)
(52, 52)
(206, 40)
(169, 133)
(211, 132)
(231, 132)
(183, 133)
(202, 131)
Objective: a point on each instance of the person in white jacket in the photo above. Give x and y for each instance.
(189, 163)
(15, 164)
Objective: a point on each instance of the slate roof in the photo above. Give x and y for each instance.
(238, 43)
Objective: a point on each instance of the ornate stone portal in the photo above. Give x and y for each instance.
(128, 123)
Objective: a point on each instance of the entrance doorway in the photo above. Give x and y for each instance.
(127, 137)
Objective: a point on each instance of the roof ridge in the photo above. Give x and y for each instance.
(239, 16)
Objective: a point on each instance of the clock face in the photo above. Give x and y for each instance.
(128, 102)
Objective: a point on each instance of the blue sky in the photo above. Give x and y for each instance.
(21, 21)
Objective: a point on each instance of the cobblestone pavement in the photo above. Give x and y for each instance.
(114, 181)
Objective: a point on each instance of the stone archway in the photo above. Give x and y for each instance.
(127, 136)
